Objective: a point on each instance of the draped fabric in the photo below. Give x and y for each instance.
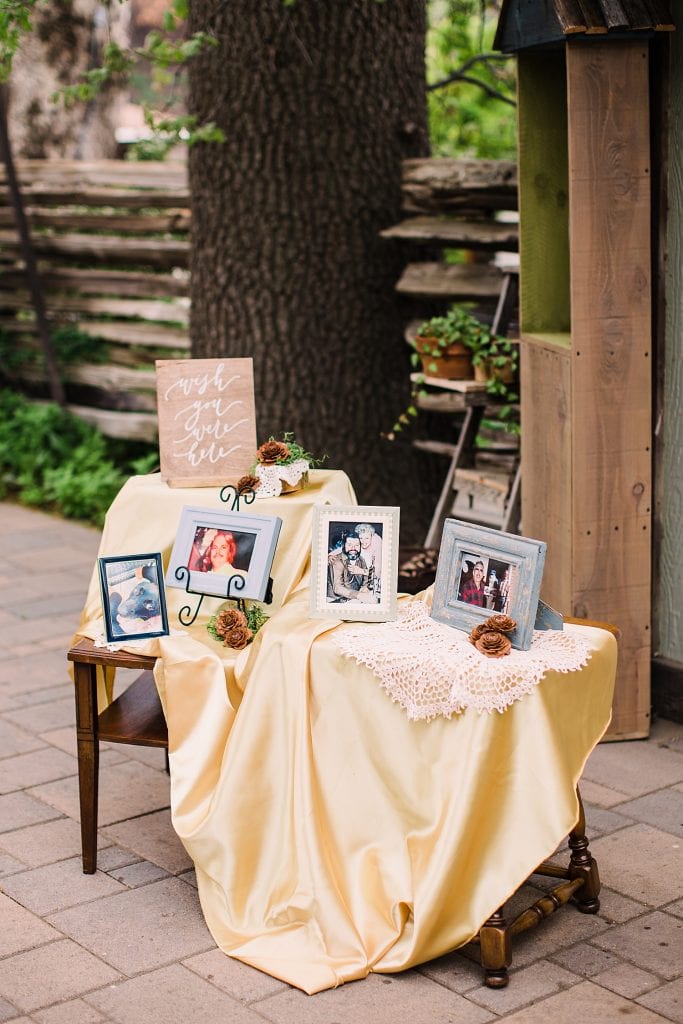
(331, 835)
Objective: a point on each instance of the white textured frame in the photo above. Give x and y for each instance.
(267, 531)
(388, 516)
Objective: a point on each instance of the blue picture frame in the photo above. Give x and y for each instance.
(483, 572)
(133, 597)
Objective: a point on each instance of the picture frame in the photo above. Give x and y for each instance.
(133, 597)
(483, 572)
(223, 554)
(354, 562)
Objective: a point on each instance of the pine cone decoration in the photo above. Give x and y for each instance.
(247, 483)
(501, 622)
(228, 621)
(238, 638)
(493, 644)
(272, 451)
(479, 631)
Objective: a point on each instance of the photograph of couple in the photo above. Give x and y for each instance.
(354, 563)
(487, 582)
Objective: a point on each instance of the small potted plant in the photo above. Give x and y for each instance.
(445, 345)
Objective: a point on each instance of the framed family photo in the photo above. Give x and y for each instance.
(483, 572)
(133, 600)
(354, 562)
(223, 554)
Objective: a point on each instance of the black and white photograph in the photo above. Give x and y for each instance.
(354, 560)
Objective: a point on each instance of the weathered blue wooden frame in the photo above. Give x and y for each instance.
(526, 554)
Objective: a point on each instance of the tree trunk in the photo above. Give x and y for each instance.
(66, 41)
(320, 102)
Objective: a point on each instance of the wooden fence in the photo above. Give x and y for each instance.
(112, 243)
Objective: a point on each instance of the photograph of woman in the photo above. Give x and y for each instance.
(221, 551)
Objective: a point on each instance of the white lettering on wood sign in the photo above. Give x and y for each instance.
(207, 420)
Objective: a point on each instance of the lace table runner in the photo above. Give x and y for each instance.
(431, 669)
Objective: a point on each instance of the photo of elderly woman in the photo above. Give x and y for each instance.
(354, 563)
(227, 552)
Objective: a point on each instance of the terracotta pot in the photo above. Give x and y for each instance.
(484, 371)
(453, 363)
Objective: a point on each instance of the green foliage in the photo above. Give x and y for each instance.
(465, 118)
(70, 345)
(255, 615)
(52, 459)
(168, 132)
(15, 21)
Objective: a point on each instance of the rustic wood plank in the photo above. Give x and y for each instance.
(614, 14)
(660, 16)
(172, 311)
(123, 333)
(156, 252)
(134, 174)
(593, 16)
(609, 164)
(174, 221)
(457, 281)
(54, 195)
(570, 16)
(129, 426)
(457, 234)
(100, 387)
(104, 282)
(444, 184)
(545, 381)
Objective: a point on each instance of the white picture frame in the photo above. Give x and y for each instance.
(351, 580)
(223, 554)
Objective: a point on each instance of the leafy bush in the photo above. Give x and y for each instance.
(50, 458)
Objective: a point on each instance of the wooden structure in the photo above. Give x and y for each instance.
(112, 242)
(469, 206)
(585, 212)
(135, 716)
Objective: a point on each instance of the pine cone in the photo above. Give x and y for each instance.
(247, 483)
(501, 622)
(479, 631)
(493, 644)
(272, 451)
(227, 621)
(238, 638)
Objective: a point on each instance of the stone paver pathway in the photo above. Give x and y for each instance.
(129, 944)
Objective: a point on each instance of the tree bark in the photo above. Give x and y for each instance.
(320, 102)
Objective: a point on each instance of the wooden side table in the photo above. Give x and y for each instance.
(135, 716)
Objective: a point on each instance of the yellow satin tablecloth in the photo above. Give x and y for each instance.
(331, 835)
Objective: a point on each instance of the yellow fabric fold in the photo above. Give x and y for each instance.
(331, 835)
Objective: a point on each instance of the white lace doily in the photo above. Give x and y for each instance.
(272, 477)
(431, 669)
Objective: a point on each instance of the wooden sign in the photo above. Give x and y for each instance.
(207, 420)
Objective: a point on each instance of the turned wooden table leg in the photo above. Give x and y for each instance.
(582, 865)
(85, 678)
(496, 950)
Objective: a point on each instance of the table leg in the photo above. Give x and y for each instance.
(85, 677)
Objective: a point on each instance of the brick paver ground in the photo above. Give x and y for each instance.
(129, 944)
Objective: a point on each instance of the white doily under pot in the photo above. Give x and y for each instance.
(431, 669)
(276, 479)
